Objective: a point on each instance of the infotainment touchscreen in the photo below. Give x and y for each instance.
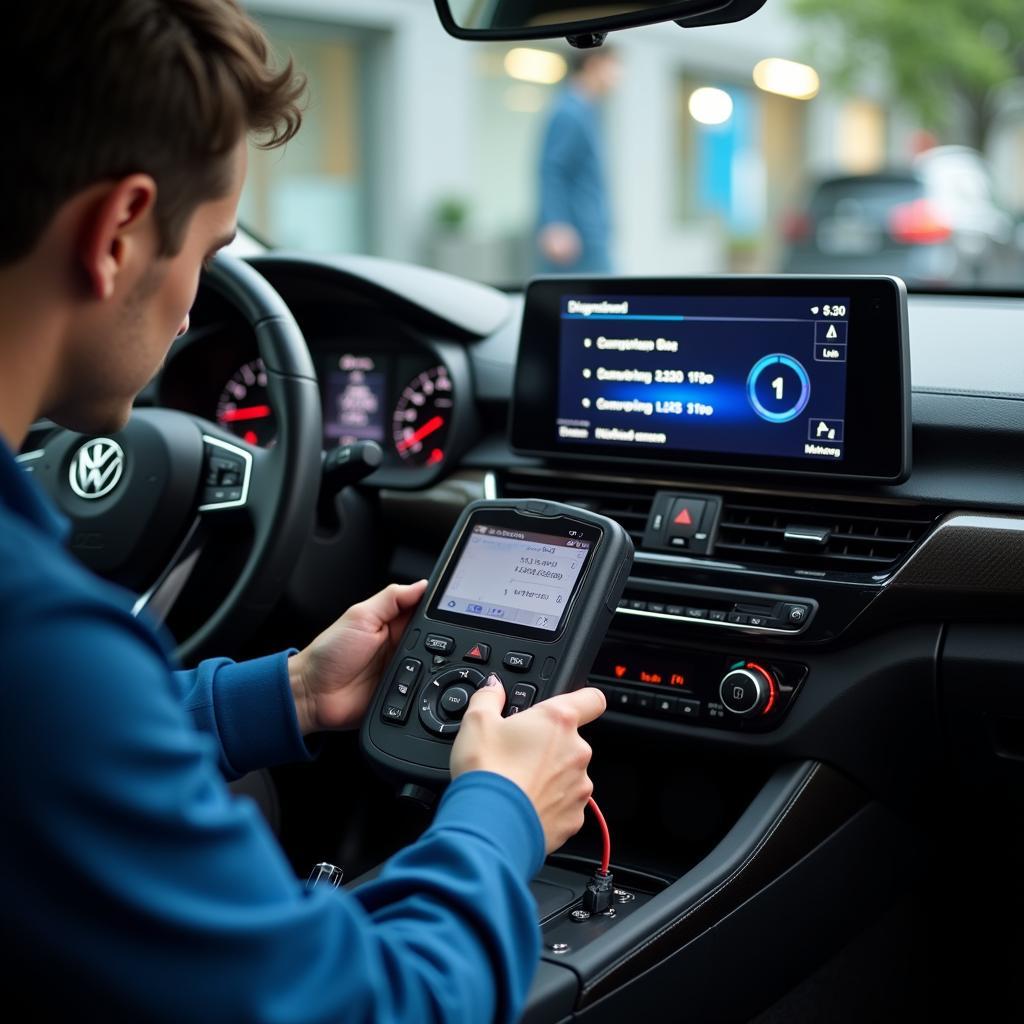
(805, 374)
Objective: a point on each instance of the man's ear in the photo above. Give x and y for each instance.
(114, 231)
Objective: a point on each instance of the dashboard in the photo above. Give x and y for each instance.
(741, 560)
(829, 546)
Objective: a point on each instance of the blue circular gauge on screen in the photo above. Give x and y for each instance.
(778, 388)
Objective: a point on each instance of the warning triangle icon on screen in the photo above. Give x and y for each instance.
(683, 518)
(831, 332)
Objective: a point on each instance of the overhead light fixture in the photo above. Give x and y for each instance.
(541, 67)
(787, 78)
(709, 105)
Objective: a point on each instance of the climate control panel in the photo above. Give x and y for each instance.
(725, 691)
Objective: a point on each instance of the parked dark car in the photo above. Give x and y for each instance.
(934, 223)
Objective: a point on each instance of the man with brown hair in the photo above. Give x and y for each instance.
(135, 886)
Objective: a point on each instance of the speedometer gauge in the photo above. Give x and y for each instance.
(244, 406)
(422, 416)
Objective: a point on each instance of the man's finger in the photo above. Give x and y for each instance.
(586, 704)
(490, 696)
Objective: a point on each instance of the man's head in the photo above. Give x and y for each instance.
(126, 130)
(596, 71)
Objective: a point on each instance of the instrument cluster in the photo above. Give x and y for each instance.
(405, 401)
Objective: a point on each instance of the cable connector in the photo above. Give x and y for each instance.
(597, 897)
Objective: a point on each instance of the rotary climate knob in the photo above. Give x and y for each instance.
(748, 690)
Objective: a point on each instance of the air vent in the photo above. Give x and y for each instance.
(628, 504)
(824, 535)
(855, 537)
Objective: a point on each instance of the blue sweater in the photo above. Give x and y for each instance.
(136, 886)
(573, 181)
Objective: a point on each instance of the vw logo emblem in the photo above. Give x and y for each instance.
(96, 468)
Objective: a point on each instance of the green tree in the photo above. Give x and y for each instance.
(942, 58)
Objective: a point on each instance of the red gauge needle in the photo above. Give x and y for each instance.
(428, 428)
(248, 412)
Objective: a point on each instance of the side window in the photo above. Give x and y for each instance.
(312, 195)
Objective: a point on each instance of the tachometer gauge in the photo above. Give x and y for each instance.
(244, 406)
(422, 416)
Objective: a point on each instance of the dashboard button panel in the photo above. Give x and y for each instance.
(751, 613)
(704, 688)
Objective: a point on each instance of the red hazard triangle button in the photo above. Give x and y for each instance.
(684, 520)
(477, 652)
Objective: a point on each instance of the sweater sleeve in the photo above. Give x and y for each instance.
(248, 710)
(153, 894)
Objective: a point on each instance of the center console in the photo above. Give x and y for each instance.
(722, 422)
(688, 410)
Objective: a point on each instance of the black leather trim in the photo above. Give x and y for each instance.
(798, 808)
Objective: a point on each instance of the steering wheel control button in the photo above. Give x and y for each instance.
(520, 698)
(439, 644)
(454, 701)
(477, 652)
(228, 469)
(517, 661)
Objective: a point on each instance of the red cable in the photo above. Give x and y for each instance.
(606, 838)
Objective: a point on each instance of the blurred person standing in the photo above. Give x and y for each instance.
(574, 224)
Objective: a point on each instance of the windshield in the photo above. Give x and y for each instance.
(818, 136)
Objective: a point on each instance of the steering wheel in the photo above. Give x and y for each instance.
(145, 503)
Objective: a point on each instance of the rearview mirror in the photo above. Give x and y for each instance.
(583, 22)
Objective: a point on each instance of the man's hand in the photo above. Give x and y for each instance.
(333, 678)
(539, 749)
(560, 243)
